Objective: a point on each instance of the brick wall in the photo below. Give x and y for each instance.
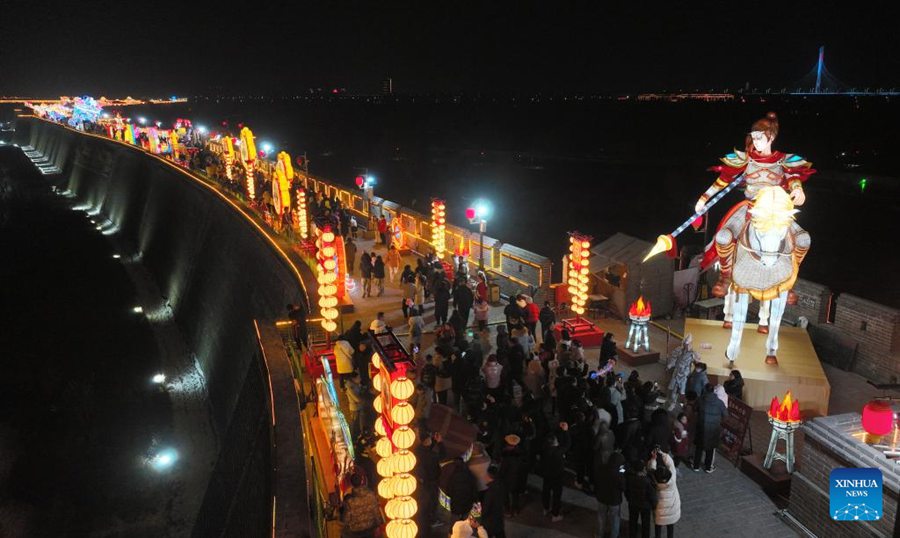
(876, 328)
(809, 497)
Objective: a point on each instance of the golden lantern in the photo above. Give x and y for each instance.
(384, 488)
(403, 461)
(378, 404)
(402, 388)
(403, 485)
(400, 508)
(376, 360)
(401, 528)
(383, 447)
(380, 429)
(385, 467)
(329, 326)
(378, 383)
(328, 237)
(403, 437)
(403, 413)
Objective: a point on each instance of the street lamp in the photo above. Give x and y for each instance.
(479, 213)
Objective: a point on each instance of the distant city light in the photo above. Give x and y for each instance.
(164, 459)
(159, 379)
(116, 256)
(137, 310)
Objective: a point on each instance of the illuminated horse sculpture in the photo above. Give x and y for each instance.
(769, 249)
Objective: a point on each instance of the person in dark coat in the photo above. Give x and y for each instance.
(463, 299)
(608, 349)
(512, 472)
(353, 335)
(441, 301)
(298, 320)
(711, 413)
(697, 380)
(641, 494)
(734, 386)
(514, 314)
(609, 481)
(365, 271)
(547, 318)
(660, 433)
(553, 466)
(429, 454)
(378, 275)
(492, 505)
(350, 255)
(361, 359)
(458, 483)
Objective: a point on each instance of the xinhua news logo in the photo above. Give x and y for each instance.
(855, 494)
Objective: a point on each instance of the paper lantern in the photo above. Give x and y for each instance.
(403, 461)
(383, 447)
(328, 237)
(402, 388)
(403, 485)
(385, 467)
(380, 429)
(378, 404)
(878, 418)
(384, 488)
(376, 360)
(403, 437)
(329, 326)
(401, 528)
(403, 413)
(378, 383)
(400, 508)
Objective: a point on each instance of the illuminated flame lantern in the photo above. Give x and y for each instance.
(638, 321)
(877, 420)
(785, 419)
(281, 186)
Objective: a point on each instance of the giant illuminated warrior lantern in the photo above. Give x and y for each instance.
(248, 156)
(758, 246)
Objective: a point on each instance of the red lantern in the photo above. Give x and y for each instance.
(360, 181)
(878, 418)
(470, 213)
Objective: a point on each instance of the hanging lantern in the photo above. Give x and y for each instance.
(403, 413)
(378, 404)
(877, 420)
(402, 388)
(376, 360)
(438, 227)
(377, 383)
(403, 485)
(383, 447)
(380, 429)
(403, 437)
(384, 489)
(403, 461)
(401, 528)
(401, 508)
(384, 467)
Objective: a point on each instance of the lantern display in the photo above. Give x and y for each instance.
(281, 184)
(327, 275)
(877, 420)
(438, 227)
(638, 321)
(785, 420)
(578, 270)
(391, 361)
(301, 215)
(248, 156)
(228, 146)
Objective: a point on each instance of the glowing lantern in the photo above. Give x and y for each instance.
(578, 270)
(378, 383)
(403, 485)
(378, 404)
(360, 181)
(327, 275)
(383, 447)
(384, 489)
(403, 437)
(401, 528)
(877, 420)
(382, 431)
(376, 360)
(470, 213)
(385, 467)
(403, 414)
(401, 508)
(403, 461)
(402, 388)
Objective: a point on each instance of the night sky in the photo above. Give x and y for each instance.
(282, 48)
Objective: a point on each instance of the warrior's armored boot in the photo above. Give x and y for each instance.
(726, 260)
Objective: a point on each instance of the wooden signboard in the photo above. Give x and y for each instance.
(734, 429)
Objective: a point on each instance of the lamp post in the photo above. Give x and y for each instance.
(479, 213)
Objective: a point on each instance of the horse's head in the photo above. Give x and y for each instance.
(770, 219)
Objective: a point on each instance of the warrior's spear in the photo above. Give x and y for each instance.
(665, 242)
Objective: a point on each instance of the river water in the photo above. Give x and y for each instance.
(78, 412)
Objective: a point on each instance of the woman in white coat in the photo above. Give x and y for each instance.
(668, 506)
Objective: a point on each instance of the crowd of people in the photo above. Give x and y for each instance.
(541, 407)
